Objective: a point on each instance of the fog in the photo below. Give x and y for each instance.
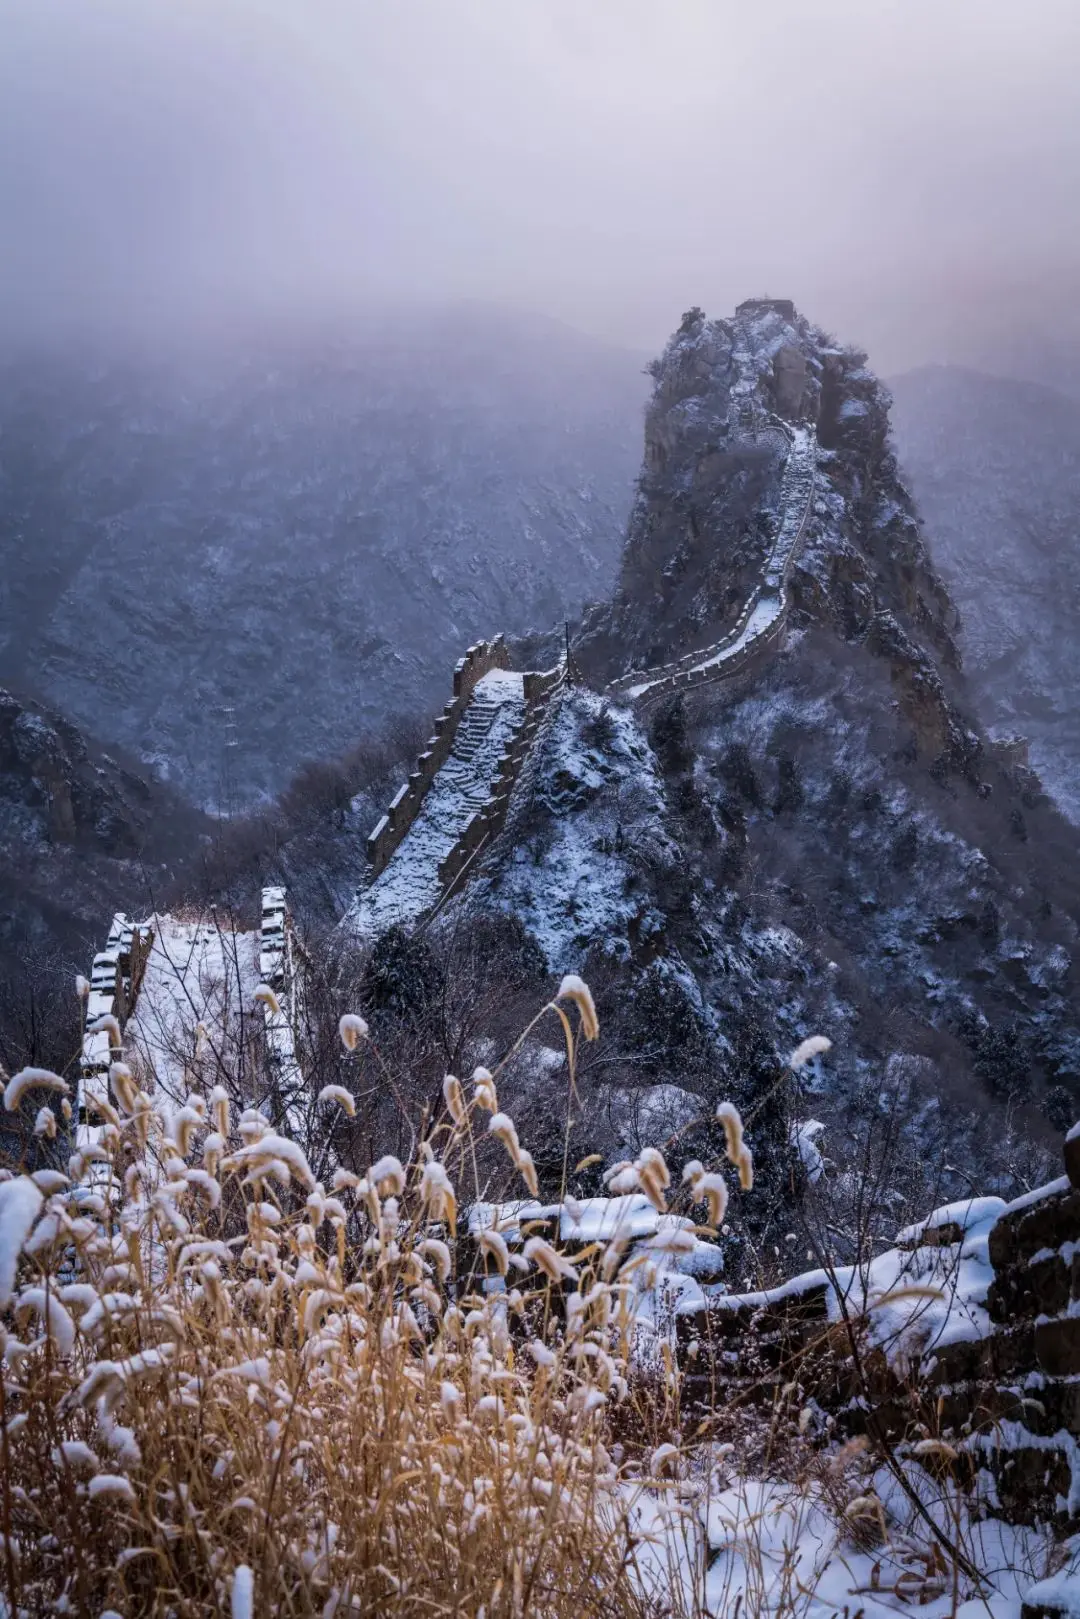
(906, 170)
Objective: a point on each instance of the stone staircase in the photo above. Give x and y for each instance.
(460, 770)
(447, 812)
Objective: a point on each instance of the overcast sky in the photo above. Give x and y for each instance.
(904, 169)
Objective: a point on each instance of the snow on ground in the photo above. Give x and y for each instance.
(409, 884)
(769, 1548)
(966, 1214)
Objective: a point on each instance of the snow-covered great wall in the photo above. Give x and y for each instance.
(761, 622)
(192, 991)
(960, 1347)
(429, 842)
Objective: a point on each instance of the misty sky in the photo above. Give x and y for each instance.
(905, 169)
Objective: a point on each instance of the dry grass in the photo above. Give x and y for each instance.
(213, 1365)
(228, 1388)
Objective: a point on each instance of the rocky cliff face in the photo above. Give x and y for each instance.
(826, 844)
(81, 834)
(282, 547)
(995, 466)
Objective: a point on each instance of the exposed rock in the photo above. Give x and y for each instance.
(789, 380)
(827, 843)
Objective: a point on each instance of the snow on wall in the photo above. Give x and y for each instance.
(969, 1328)
(410, 884)
(183, 992)
(389, 831)
(765, 612)
(198, 973)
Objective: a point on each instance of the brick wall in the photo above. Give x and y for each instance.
(1006, 1398)
(540, 687)
(391, 828)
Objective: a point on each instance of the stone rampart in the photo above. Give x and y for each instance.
(725, 658)
(486, 824)
(391, 828)
(1000, 1388)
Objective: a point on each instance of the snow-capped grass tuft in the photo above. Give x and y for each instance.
(454, 1097)
(502, 1127)
(268, 997)
(82, 986)
(352, 1030)
(111, 1484)
(707, 1187)
(484, 1092)
(548, 1259)
(45, 1123)
(807, 1050)
(338, 1094)
(738, 1152)
(577, 990)
(31, 1079)
(110, 1025)
(124, 1087)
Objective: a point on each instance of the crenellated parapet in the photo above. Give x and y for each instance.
(406, 804)
(959, 1348)
(485, 824)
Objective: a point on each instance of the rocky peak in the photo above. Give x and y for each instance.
(709, 502)
(815, 839)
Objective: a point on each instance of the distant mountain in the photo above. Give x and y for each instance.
(995, 468)
(247, 559)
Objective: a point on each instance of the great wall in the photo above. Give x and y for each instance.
(764, 615)
(166, 978)
(455, 801)
(182, 991)
(978, 1379)
(959, 1349)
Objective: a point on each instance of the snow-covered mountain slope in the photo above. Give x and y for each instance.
(283, 548)
(995, 467)
(827, 843)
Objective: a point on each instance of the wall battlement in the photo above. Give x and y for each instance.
(389, 831)
(486, 824)
(994, 1373)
